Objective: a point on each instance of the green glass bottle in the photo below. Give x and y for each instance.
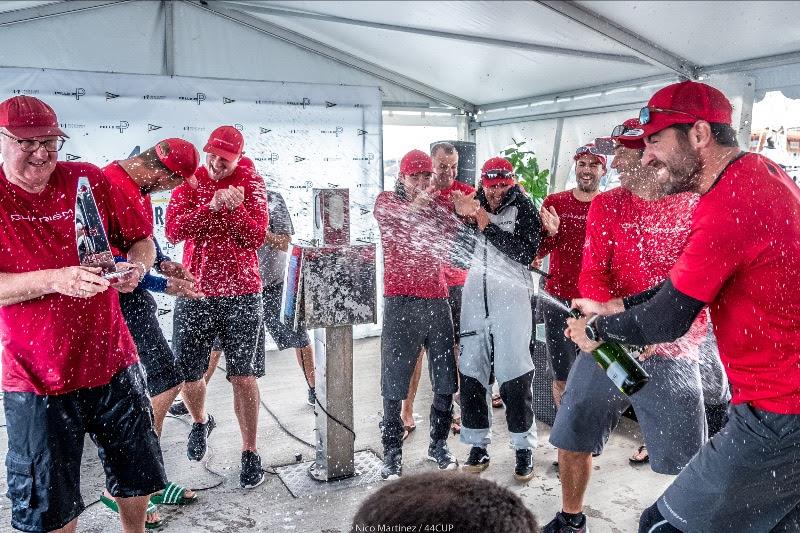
(620, 366)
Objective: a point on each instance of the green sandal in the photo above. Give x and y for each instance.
(173, 494)
(111, 503)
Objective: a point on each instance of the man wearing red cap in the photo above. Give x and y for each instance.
(160, 168)
(634, 234)
(741, 260)
(445, 170)
(69, 363)
(565, 249)
(223, 218)
(496, 317)
(415, 224)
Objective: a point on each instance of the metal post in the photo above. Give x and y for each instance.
(333, 357)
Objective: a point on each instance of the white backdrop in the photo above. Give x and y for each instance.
(299, 135)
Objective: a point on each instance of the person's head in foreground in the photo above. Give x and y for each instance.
(454, 502)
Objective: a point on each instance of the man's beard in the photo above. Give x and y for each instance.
(592, 186)
(683, 168)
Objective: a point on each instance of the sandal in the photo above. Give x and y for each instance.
(111, 503)
(640, 457)
(497, 401)
(408, 430)
(173, 494)
(455, 426)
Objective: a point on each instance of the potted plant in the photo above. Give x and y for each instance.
(532, 179)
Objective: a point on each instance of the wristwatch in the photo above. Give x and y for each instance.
(591, 329)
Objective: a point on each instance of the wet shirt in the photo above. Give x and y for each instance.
(566, 246)
(416, 243)
(455, 277)
(56, 344)
(742, 259)
(272, 262)
(631, 245)
(137, 205)
(220, 247)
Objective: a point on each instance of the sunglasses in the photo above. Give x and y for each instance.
(497, 174)
(645, 114)
(589, 150)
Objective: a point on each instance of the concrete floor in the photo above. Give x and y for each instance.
(617, 493)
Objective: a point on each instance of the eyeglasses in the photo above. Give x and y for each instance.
(645, 114)
(31, 145)
(620, 130)
(588, 150)
(497, 174)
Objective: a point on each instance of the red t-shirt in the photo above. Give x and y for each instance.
(416, 244)
(455, 277)
(57, 344)
(742, 259)
(220, 247)
(138, 204)
(631, 245)
(566, 246)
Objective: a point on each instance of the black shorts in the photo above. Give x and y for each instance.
(454, 299)
(45, 445)
(283, 335)
(141, 314)
(409, 324)
(236, 320)
(561, 350)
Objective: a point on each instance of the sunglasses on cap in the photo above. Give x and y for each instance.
(645, 114)
(588, 150)
(497, 174)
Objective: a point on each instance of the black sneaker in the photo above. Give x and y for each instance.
(312, 397)
(252, 474)
(439, 454)
(392, 464)
(196, 447)
(178, 408)
(524, 469)
(478, 460)
(560, 524)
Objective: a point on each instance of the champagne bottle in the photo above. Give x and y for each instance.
(620, 366)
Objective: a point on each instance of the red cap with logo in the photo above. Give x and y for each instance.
(684, 103)
(26, 117)
(415, 162)
(497, 171)
(226, 142)
(589, 150)
(628, 134)
(180, 156)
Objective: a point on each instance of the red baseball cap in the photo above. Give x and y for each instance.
(589, 150)
(497, 171)
(180, 156)
(628, 134)
(226, 142)
(415, 162)
(684, 103)
(26, 117)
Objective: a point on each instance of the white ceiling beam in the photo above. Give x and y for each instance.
(169, 37)
(56, 9)
(324, 50)
(640, 46)
(478, 39)
(745, 65)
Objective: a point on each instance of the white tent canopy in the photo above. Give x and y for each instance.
(540, 69)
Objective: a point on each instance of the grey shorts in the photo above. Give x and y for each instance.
(669, 409)
(236, 320)
(747, 478)
(409, 324)
(560, 350)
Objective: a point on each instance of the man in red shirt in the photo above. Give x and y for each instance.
(445, 170)
(69, 363)
(566, 249)
(634, 234)
(741, 260)
(223, 218)
(415, 224)
(160, 168)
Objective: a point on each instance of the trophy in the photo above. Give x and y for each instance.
(90, 236)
